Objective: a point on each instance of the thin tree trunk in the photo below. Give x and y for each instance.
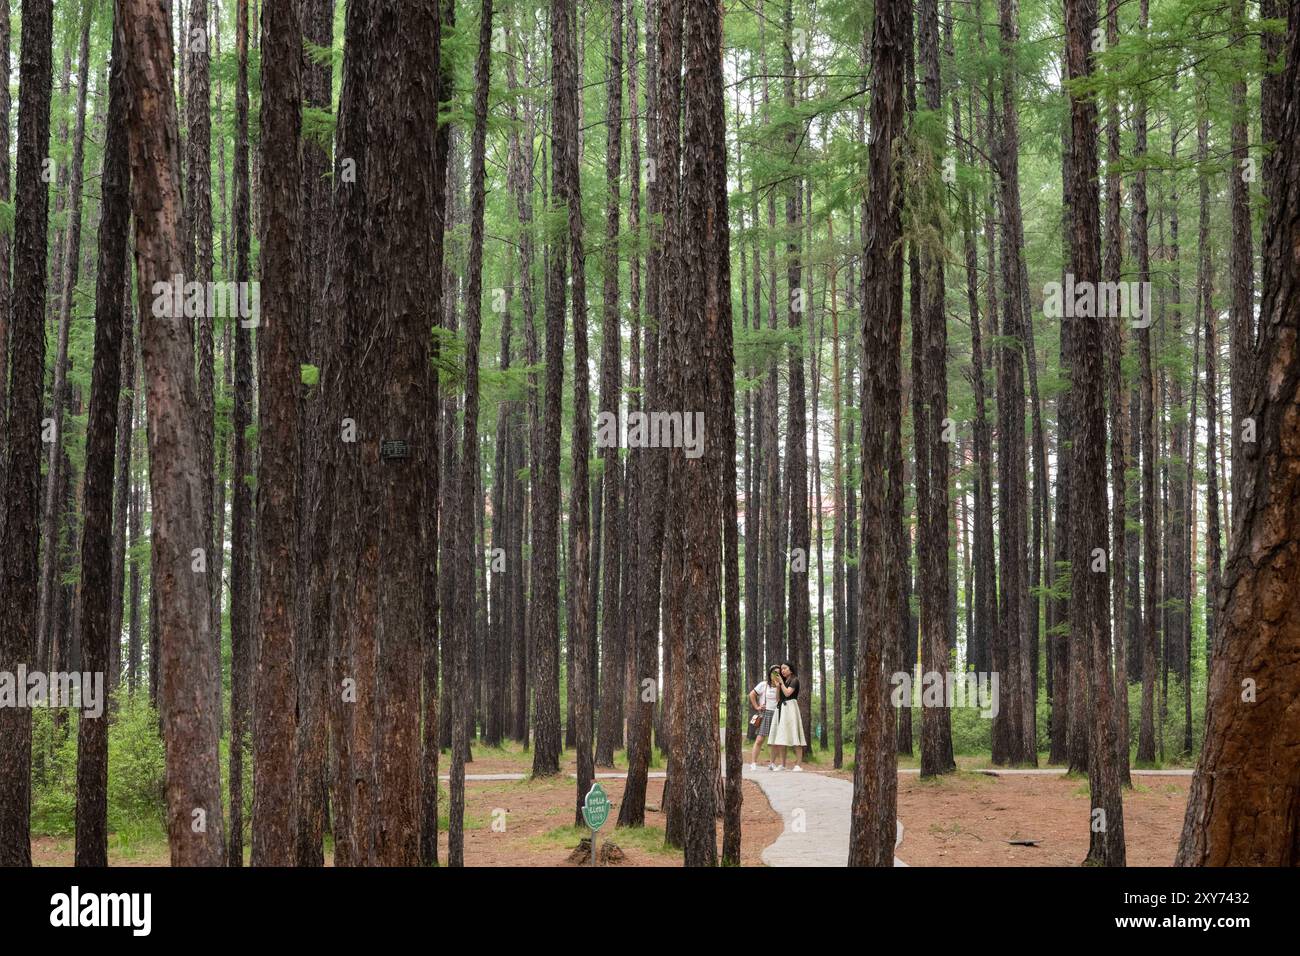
(1242, 329)
(6, 244)
(671, 279)
(198, 255)
(652, 474)
(469, 561)
(839, 572)
(1013, 465)
(520, 662)
(796, 435)
(97, 565)
(67, 277)
(1205, 291)
(242, 569)
(1117, 398)
(611, 633)
(122, 501)
(1146, 752)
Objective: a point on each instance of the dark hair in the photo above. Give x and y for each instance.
(774, 667)
(793, 672)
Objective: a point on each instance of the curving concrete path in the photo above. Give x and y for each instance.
(822, 804)
(815, 809)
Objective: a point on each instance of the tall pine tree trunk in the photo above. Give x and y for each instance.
(1089, 583)
(546, 529)
(873, 815)
(1146, 752)
(1243, 806)
(702, 346)
(1117, 398)
(930, 427)
(111, 318)
(279, 344)
(241, 520)
(6, 241)
(22, 470)
(312, 608)
(468, 560)
(609, 734)
(46, 631)
(187, 685)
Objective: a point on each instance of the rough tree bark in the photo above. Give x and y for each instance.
(546, 528)
(651, 465)
(1146, 752)
(1244, 805)
(66, 273)
(565, 158)
(799, 636)
(875, 784)
(1242, 329)
(101, 439)
(242, 568)
(401, 125)
(1089, 597)
(1117, 399)
(932, 448)
(275, 691)
(701, 348)
(469, 559)
(1013, 593)
(6, 241)
(312, 610)
(610, 732)
(22, 469)
(198, 256)
(187, 685)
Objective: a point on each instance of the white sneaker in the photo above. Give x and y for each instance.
(753, 767)
(778, 769)
(797, 769)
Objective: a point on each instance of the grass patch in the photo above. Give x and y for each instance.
(529, 784)
(648, 839)
(958, 780)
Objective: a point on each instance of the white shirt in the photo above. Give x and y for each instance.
(766, 693)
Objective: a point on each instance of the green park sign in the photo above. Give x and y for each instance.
(595, 806)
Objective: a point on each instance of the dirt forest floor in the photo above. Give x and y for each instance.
(539, 828)
(968, 819)
(963, 819)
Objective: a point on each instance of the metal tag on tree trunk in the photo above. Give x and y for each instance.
(395, 449)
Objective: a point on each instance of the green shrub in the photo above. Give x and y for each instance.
(136, 770)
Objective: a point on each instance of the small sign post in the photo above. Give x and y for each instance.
(595, 811)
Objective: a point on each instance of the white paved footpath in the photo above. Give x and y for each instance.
(825, 803)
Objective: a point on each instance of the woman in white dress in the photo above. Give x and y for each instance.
(787, 729)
